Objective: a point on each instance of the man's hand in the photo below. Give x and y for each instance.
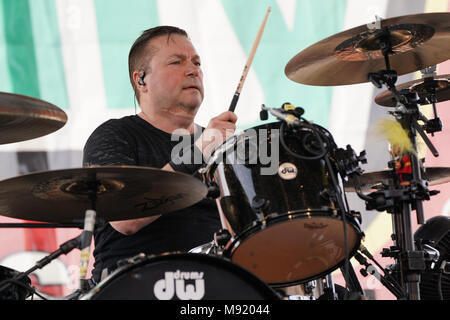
(219, 129)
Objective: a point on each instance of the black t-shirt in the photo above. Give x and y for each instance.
(133, 141)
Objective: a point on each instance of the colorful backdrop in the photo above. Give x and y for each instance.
(73, 53)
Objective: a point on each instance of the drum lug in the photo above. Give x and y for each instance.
(260, 204)
(272, 215)
(213, 191)
(202, 171)
(310, 286)
(222, 237)
(325, 194)
(356, 215)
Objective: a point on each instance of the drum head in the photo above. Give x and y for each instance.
(292, 249)
(182, 276)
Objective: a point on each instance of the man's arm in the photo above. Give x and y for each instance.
(115, 150)
(108, 146)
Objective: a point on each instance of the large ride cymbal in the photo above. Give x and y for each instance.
(374, 180)
(24, 118)
(418, 41)
(440, 84)
(123, 192)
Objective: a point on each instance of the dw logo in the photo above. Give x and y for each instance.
(174, 283)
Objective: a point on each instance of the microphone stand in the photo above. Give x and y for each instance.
(92, 185)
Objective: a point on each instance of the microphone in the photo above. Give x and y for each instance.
(85, 246)
(289, 118)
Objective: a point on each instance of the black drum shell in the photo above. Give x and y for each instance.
(240, 183)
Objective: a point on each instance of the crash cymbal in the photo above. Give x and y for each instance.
(440, 84)
(374, 180)
(123, 192)
(24, 118)
(418, 41)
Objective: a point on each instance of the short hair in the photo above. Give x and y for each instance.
(138, 58)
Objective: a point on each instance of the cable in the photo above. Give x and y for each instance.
(346, 249)
(439, 279)
(3, 285)
(134, 102)
(439, 285)
(347, 258)
(296, 155)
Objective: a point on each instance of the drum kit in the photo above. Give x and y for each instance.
(291, 227)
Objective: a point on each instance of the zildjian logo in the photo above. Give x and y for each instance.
(154, 203)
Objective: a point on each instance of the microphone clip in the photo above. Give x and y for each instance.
(291, 109)
(287, 113)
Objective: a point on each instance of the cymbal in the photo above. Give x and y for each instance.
(440, 83)
(122, 193)
(374, 180)
(418, 41)
(24, 118)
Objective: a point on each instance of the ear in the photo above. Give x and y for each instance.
(138, 78)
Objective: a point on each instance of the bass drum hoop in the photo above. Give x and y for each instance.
(277, 220)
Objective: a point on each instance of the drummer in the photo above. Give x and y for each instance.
(166, 76)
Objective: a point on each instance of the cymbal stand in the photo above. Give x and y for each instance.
(89, 187)
(400, 200)
(92, 185)
(329, 285)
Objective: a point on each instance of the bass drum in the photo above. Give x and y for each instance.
(285, 227)
(181, 276)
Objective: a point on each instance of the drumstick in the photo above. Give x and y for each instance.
(249, 62)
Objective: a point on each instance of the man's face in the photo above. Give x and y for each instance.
(174, 78)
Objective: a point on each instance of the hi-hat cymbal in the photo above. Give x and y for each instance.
(440, 83)
(418, 41)
(24, 118)
(374, 180)
(123, 192)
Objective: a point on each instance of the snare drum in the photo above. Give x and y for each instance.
(285, 228)
(181, 276)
